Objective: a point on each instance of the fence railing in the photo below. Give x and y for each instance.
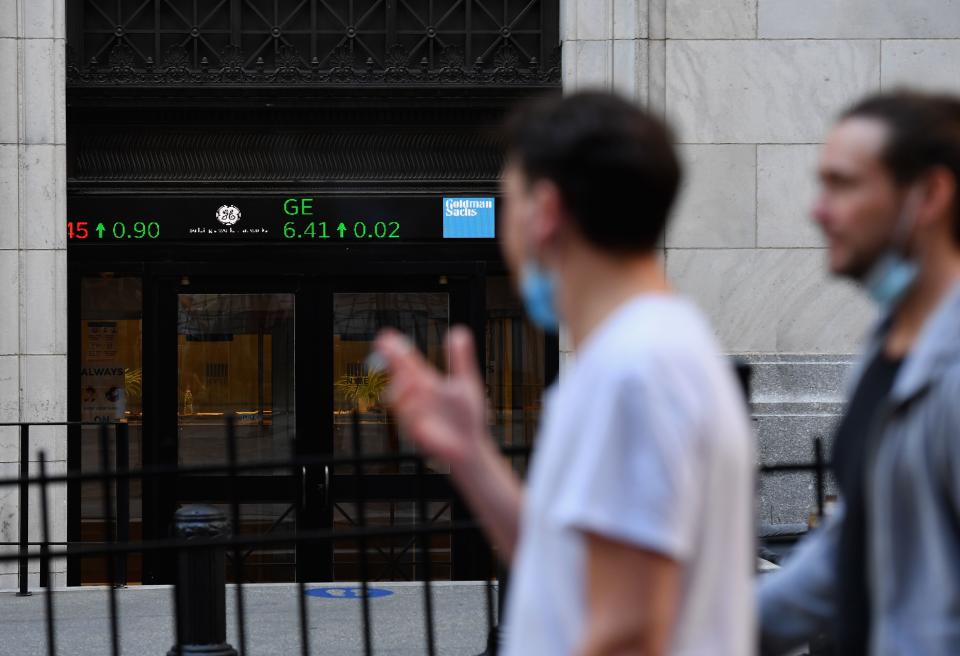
(117, 545)
(23, 482)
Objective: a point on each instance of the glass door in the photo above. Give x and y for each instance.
(289, 363)
(357, 318)
(424, 312)
(236, 356)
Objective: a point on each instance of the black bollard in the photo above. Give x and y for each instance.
(201, 589)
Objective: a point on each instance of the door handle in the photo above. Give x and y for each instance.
(324, 487)
(303, 487)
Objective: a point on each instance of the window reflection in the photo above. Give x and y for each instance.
(357, 318)
(235, 356)
(111, 383)
(515, 366)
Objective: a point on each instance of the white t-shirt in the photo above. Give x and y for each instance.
(645, 440)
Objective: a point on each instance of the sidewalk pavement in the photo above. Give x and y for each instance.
(82, 620)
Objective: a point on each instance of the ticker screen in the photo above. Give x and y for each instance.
(304, 219)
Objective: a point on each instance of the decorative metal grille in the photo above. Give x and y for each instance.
(187, 42)
(417, 156)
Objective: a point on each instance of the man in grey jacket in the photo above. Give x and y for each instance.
(883, 574)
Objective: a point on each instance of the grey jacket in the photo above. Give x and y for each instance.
(913, 515)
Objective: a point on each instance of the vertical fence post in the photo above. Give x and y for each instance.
(361, 492)
(122, 439)
(818, 459)
(44, 551)
(44, 573)
(423, 546)
(201, 591)
(299, 505)
(23, 538)
(109, 536)
(235, 520)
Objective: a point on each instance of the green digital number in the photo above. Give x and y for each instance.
(359, 230)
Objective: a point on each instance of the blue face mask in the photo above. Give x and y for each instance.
(538, 290)
(890, 279)
(892, 276)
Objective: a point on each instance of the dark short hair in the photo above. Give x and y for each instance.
(924, 132)
(614, 163)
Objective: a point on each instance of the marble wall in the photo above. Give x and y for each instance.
(33, 257)
(751, 87)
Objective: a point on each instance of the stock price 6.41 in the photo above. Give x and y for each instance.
(356, 230)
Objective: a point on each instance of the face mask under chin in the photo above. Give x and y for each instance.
(889, 280)
(894, 273)
(538, 287)
(538, 290)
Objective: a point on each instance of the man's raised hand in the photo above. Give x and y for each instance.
(444, 415)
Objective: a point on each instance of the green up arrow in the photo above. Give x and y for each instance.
(341, 229)
(100, 230)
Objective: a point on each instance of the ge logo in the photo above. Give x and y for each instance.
(228, 214)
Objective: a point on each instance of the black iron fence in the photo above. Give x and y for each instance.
(202, 537)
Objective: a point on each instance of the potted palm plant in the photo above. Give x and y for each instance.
(364, 390)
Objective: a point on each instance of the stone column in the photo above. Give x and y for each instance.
(33, 256)
(604, 47)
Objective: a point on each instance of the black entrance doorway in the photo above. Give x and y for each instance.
(280, 345)
(287, 360)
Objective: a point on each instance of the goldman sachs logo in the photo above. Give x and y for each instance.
(469, 218)
(466, 206)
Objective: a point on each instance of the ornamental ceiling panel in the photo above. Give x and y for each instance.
(302, 42)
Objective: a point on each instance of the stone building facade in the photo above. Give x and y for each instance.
(750, 86)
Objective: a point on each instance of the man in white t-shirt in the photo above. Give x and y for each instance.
(634, 534)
